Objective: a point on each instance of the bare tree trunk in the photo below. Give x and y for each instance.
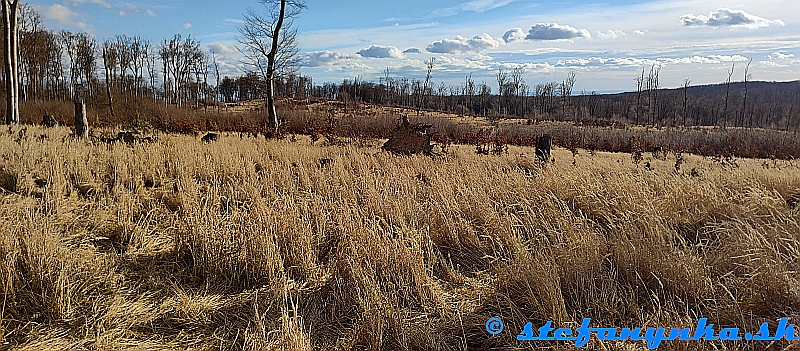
(273, 114)
(108, 82)
(10, 60)
(81, 120)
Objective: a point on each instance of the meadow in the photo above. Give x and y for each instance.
(257, 244)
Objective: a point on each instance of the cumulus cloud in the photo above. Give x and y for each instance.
(555, 31)
(611, 34)
(639, 32)
(323, 58)
(779, 56)
(638, 62)
(219, 48)
(514, 34)
(461, 45)
(187, 25)
(58, 13)
(380, 51)
(412, 51)
(152, 13)
(780, 60)
(726, 17)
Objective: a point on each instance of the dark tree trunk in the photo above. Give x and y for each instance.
(81, 120)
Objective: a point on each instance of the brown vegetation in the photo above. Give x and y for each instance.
(259, 244)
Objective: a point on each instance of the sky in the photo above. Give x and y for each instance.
(606, 43)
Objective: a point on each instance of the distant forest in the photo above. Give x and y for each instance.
(774, 105)
(62, 66)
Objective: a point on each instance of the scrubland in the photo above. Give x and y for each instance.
(257, 244)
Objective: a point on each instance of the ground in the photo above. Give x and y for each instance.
(248, 243)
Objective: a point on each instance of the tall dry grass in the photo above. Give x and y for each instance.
(255, 244)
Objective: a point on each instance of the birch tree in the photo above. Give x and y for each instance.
(10, 60)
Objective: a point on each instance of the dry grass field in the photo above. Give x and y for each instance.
(256, 244)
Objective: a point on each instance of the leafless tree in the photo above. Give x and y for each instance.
(152, 56)
(744, 98)
(109, 62)
(566, 92)
(686, 83)
(216, 80)
(178, 56)
(469, 89)
(269, 44)
(429, 64)
(640, 81)
(10, 60)
(502, 78)
(516, 85)
(727, 94)
(652, 85)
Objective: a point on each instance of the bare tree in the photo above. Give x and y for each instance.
(429, 63)
(109, 62)
(566, 91)
(652, 85)
(178, 56)
(727, 94)
(269, 44)
(152, 56)
(516, 85)
(744, 98)
(216, 80)
(10, 60)
(502, 78)
(686, 83)
(639, 88)
(469, 89)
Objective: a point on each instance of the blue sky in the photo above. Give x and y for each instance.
(606, 43)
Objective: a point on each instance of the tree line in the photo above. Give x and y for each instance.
(64, 65)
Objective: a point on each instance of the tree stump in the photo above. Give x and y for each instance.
(49, 121)
(409, 139)
(543, 146)
(81, 120)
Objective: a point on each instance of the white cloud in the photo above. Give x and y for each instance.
(380, 51)
(458, 64)
(122, 13)
(152, 13)
(639, 62)
(555, 31)
(611, 34)
(57, 12)
(779, 56)
(639, 32)
(323, 58)
(100, 3)
(476, 6)
(187, 25)
(726, 17)
(219, 48)
(412, 51)
(780, 60)
(461, 45)
(514, 34)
